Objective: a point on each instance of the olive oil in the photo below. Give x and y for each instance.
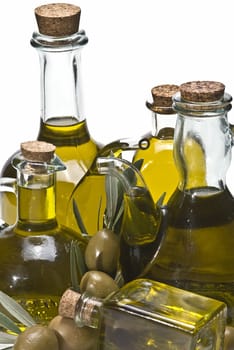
(90, 199)
(158, 168)
(138, 233)
(37, 270)
(197, 253)
(149, 315)
(77, 151)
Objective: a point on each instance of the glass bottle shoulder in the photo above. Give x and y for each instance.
(199, 207)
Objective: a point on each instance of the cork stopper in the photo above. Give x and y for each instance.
(37, 151)
(67, 304)
(58, 19)
(202, 91)
(162, 98)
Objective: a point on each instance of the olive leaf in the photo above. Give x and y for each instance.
(16, 310)
(8, 324)
(99, 211)
(112, 199)
(159, 202)
(77, 264)
(78, 218)
(119, 280)
(115, 197)
(7, 340)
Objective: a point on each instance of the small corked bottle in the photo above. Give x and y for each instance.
(158, 168)
(197, 252)
(62, 122)
(35, 251)
(146, 314)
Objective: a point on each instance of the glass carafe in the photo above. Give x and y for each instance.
(197, 252)
(35, 251)
(89, 195)
(158, 167)
(142, 223)
(63, 122)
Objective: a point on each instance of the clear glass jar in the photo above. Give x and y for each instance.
(197, 252)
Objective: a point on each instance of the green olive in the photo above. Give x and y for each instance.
(229, 338)
(72, 337)
(98, 284)
(37, 337)
(102, 251)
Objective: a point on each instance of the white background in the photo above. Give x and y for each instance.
(133, 46)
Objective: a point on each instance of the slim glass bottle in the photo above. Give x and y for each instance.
(158, 168)
(63, 123)
(35, 252)
(197, 252)
(146, 314)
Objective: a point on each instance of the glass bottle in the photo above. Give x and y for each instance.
(35, 252)
(158, 168)
(197, 252)
(146, 314)
(63, 123)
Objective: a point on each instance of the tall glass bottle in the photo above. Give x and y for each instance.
(59, 45)
(158, 168)
(146, 314)
(197, 252)
(35, 252)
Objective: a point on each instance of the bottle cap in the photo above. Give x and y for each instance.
(58, 19)
(202, 91)
(37, 151)
(68, 302)
(162, 98)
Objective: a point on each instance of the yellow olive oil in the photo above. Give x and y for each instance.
(77, 151)
(147, 314)
(158, 168)
(90, 199)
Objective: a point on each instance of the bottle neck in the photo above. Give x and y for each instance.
(83, 308)
(61, 83)
(163, 125)
(36, 196)
(88, 311)
(202, 150)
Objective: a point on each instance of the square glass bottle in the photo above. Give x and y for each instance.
(145, 315)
